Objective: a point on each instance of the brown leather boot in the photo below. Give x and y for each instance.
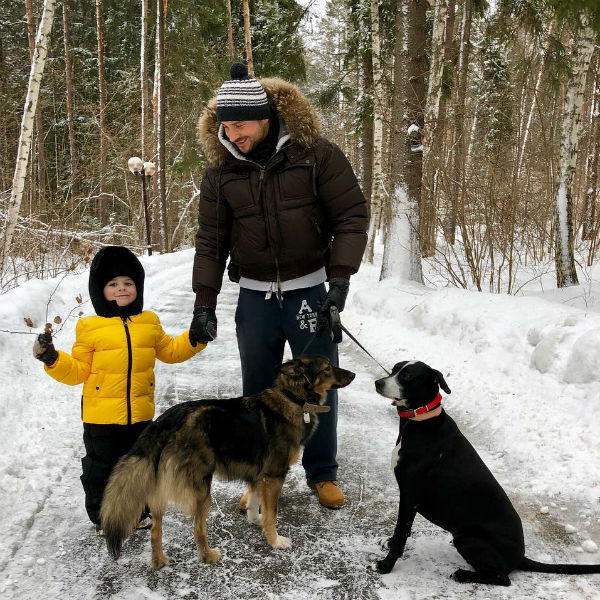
(330, 495)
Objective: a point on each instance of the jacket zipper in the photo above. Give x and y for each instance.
(261, 178)
(129, 368)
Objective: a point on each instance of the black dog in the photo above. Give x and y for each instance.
(442, 477)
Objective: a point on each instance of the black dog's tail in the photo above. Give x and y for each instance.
(539, 567)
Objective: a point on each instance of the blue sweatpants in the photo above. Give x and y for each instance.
(262, 328)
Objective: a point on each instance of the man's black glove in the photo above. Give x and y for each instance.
(44, 350)
(204, 325)
(329, 313)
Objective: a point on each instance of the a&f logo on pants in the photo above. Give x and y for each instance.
(306, 317)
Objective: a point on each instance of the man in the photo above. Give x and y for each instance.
(284, 205)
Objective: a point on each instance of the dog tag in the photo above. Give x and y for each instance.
(306, 418)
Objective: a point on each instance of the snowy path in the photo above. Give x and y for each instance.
(49, 549)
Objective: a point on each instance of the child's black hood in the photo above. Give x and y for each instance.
(110, 262)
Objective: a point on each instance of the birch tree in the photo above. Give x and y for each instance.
(582, 49)
(432, 111)
(33, 90)
(39, 123)
(377, 190)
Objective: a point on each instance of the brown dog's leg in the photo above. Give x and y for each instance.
(270, 490)
(207, 554)
(159, 560)
(294, 454)
(253, 505)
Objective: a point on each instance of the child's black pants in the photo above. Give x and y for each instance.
(104, 445)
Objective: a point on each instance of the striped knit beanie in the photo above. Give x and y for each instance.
(242, 98)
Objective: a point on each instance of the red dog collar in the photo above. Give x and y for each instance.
(422, 409)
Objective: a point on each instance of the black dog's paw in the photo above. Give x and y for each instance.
(462, 576)
(380, 566)
(384, 543)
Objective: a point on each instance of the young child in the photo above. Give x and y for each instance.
(113, 356)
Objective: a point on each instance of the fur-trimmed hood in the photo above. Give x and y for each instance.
(292, 105)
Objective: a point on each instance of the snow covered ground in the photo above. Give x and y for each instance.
(525, 378)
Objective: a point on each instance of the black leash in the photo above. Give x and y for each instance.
(314, 335)
(363, 348)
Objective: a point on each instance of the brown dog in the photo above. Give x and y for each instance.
(253, 439)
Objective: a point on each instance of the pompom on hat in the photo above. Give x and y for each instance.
(242, 98)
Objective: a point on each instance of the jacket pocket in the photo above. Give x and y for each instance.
(296, 184)
(236, 189)
(96, 383)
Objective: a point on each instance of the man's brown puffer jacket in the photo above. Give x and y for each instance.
(303, 211)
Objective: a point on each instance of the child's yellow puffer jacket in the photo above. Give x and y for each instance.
(114, 358)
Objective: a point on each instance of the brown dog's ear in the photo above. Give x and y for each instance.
(439, 379)
(290, 368)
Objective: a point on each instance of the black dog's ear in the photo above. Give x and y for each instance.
(439, 379)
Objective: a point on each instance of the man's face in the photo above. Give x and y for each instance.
(246, 134)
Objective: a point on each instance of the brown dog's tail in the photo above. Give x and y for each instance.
(125, 498)
(539, 567)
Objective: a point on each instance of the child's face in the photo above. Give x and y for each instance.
(122, 289)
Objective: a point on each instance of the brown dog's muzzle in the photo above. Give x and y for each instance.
(343, 377)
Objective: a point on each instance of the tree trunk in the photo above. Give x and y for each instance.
(402, 253)
(415, 100)
(533, 105)
(378, 107)
(367, 127)
(432, 109)
(143, 77)
(102, 208)
(162, 179)
(69, 84)
(147, 208)
(591, 191)
(248, 36)
(39, 123)
(35, 79)
(439, 141)
(458, 153)
(566, 274)
(6, 130)
(230, 46)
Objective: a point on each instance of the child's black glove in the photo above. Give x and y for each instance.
(44, 350)
(328, 316)
(204, 325)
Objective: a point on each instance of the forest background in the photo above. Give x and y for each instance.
(473, 126)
